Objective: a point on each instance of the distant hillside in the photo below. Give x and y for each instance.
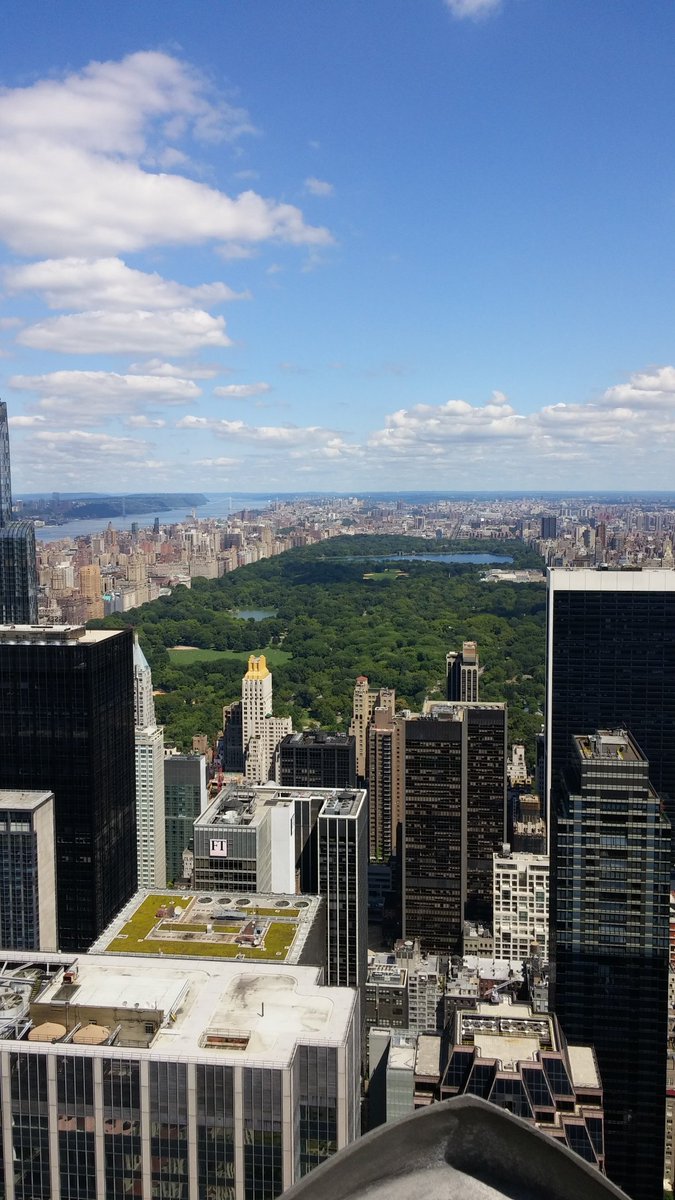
(89, 508)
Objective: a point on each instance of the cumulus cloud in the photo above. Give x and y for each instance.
(475, 9)
(292, 439)
(93, 136)
(435, 429)
(94, 397)
(108, 283)
(143, 422)
(318, 187)
(26, 422)
(603, 435)
(166, 370)
(181, 331)
(216, 462)
(78, 443)
(240, 391)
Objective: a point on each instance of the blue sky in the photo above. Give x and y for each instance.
(299, 244)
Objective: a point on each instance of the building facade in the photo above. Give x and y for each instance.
(611, 661)
(609, 934)
(520, 905)
(317, 759)
(455, 811)
(462, 671)
(149, 750)
(27, 871)
(385, 783)
(261, 731)
(365, 700)
(18, 564)
(66, 724)
(180, 1079)
(519, 1060)
(185, 797)
(342, 836)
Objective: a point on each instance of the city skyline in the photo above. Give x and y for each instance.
(332, 248)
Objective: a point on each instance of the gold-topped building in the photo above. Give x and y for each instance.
(261, 731)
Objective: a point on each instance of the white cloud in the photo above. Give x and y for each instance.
(216, 462)
(240, 391)
(436, 429)
(298, 440)
(94, 397)
(318, 187)
(143, 422)
(166, 370)
(78, 443)
(108, 283)
(473, 8)
(90, 135)
(179, 332)
(26, 422)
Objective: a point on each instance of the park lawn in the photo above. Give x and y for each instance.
(386, 576)
(185, 658)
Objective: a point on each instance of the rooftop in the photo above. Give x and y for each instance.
(210, 1009)
(318, 737)
(28, 801)
(59, 634)
(245, 804)
(239, 927)
(605, 745)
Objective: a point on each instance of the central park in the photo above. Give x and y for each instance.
(338, 611)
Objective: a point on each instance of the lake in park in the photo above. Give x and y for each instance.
(255, 614)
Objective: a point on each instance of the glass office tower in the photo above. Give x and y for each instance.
(611, 661)
(18, 565)
(609, 931)
(67, 724)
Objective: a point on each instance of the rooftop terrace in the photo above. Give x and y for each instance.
(241, 927)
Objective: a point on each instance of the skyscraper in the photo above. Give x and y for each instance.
(455, 807)
(27, 871)
(343, 881)
(462, 672)
(5, 469)
(185, 797)
(317, 759)
(385, 783)
(261, 731)
(611, 661)
(66, 723)
(18, 568)
(149, 747)
(365, 700)
(609, 928)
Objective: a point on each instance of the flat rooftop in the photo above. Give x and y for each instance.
(59, 634)
(235, 926)
(245, 804)
(615, 745)
(211, 1010)
(317, 737)
(504, 1031)
(454, 709)
(26, 801)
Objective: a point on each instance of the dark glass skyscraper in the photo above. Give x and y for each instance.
(67, 724)
(611, 662)
(455, 806)
(18, 570)
(609, 930)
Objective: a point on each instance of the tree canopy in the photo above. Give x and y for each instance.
(337, 625)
